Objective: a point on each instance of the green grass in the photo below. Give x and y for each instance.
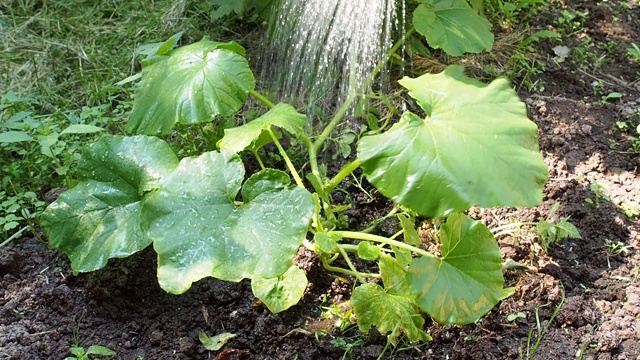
(60, 61)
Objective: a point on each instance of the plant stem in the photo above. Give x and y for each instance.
(375, 222)
(342, 111)
(348, 272)
(350, 264)
(380, 239)
(343, 173)
(284, 155)
(14, 236)
(257, 156)
(263, 99)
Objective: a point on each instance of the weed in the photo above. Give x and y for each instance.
(630, 208)
(79, 353)
(615, 248)
(532, 348)
(598, 191)
(634, 52)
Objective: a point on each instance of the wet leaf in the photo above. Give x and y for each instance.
(476, 147)
(199, 231)
(466, 281)
(282, 115)
(196, 83)
(99, 218)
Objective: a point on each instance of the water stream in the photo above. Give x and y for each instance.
(324, 50)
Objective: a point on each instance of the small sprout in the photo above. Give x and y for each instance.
(514, 316)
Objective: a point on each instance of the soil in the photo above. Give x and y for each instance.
(580, 299)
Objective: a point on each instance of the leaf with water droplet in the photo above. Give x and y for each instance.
(282, 115)
(211, 235)
(196, 83)
(476, 147)
(99, 219)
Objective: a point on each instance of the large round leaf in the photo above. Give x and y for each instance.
(476, 146)
(453, 26)
(199, 231)
(194, 84)
(99, 218)
(466, 281)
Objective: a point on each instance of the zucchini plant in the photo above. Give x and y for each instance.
(468, 144)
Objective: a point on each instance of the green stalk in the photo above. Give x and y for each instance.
(14, 236)
(350, 264)
(342, 111)
(343, 173)
(380, 239)
(263, 99)
(284, 155)
(348, 272)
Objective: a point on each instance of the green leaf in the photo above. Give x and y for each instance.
(282, 115)
(215, 343)
(393, 276)
(100, 350)
(199, 231)
(226, 7)
(81, 129)
(14, 136)
(368, 251)
(282, 292)
(561, 230)
(476, 147)
(139, 162)
(99, 218)
(411, 236)
(326, 243)
(394, 314)
(453, 26)
(196, 83)
(466, 281)
(77, 351)
(171, 42)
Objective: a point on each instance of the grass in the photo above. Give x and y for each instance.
(60, 61)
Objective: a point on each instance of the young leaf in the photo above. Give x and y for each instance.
(196, 83)
(453, 26)
(411, 236)
(216, 342)
(99, 218)
(282, 115)
(282, 292)
(14, 136)
(393, 276)
(466, 281)
(100, 350)
(368, 251)
(475, 147)
(198, 231)
(396, 314)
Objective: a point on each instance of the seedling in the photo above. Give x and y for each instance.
(549, 232)
(515, 316)
(630, 208)
(615, 248)
(634, 52)
(79, 353)
(597, 190)
(532, 347)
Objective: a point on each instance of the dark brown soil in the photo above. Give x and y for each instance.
(44, 308)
